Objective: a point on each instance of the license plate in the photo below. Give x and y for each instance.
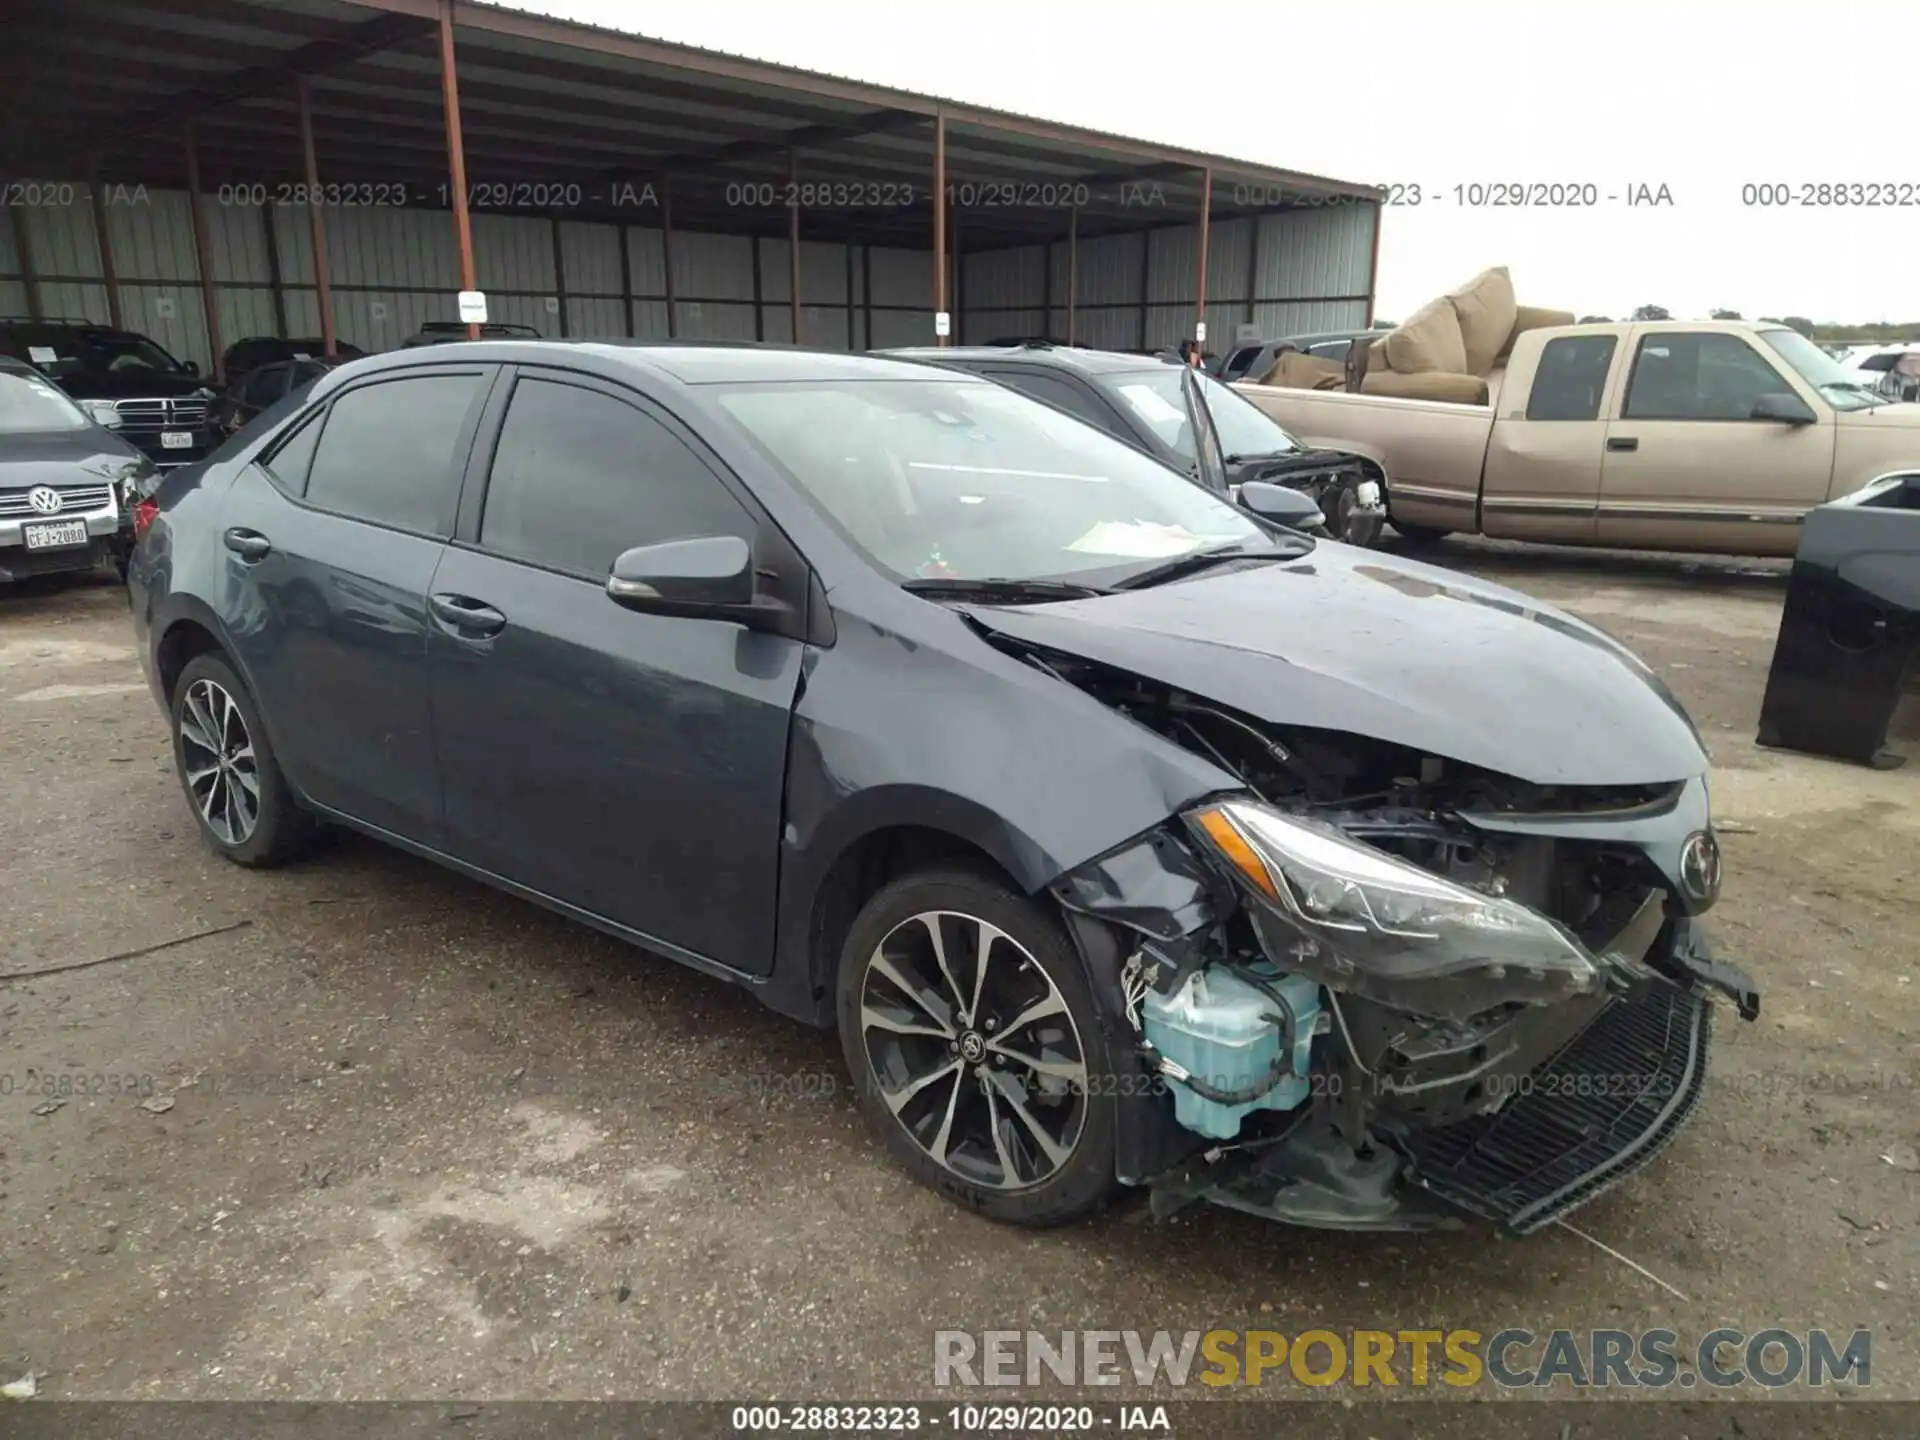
(56, 535)
(176, 439)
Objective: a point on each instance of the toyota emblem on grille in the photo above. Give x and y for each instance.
(45, 499)
(1700, 867)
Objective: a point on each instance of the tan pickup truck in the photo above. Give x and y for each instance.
(1713, 436)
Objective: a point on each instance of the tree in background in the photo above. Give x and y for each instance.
(1596, 319)
(1723, 315)
(1652, 312)
(1800, 323)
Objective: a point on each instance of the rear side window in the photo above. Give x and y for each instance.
(292, 457)
(387, 453)
(1572, 378)
(579, 476)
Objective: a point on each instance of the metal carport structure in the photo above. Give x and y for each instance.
(159, 164)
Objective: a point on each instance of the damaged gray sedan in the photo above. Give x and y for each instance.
(1125, 836)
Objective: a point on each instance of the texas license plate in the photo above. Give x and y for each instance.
(176, 439)
(56, 535)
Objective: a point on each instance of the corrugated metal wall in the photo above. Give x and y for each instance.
(392, 269)
(1304, 270)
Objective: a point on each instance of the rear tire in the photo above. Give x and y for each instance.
(240, 801)
(997, 1092)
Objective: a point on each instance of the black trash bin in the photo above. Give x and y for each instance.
(1849, 644)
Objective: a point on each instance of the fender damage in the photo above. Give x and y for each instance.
(1499, 984)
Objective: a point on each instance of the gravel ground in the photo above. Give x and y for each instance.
(380, 1132)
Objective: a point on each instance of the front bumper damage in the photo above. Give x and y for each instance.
(1515, 1115)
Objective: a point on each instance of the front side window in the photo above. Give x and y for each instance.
(387, 452)
(1246, 431)
(579, 476)
(965, 480)
(1680, 375)
(1572, 378)
(29, 404)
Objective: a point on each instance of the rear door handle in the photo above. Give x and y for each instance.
(466, 617)
(1623, 442)
(248, 544)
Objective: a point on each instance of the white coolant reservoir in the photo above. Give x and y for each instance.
(1220, 1029)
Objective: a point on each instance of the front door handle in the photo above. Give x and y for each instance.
(1623, 442)
(248, 544)
(466, 617)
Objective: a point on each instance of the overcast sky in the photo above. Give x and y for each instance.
(1702, 98)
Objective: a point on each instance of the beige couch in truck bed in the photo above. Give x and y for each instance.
(1453, 348)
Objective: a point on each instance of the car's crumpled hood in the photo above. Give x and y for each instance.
(1347, 639)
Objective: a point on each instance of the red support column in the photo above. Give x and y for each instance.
(456, 156)
(322, 283)
(1200, 275)
(204, 253)
(940, 218)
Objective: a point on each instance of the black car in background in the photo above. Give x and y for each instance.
(1123, 838)
(266, 385)
(256, 350)
(1140, 400)
(161, 402)
(66, 484)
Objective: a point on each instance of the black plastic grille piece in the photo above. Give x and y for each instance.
(1604, 1106)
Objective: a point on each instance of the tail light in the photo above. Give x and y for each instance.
(144, 512)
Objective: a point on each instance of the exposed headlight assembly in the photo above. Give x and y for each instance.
(1362, 921)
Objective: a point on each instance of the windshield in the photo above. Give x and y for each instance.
(1245, 429)
(1841, 388)
(97, 352)
(30, 405)
(966, 480)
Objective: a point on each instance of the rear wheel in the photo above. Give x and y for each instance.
(976, 1049)
(240, 799)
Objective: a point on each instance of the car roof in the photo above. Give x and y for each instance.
(1065, 357)
(690, 362)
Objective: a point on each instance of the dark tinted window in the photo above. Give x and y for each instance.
(1240, 361)
(387, 454)
(264, 386)
(579, 476)
(1572, 378)
(1681, 376)
(1055, 391)
(292, 457)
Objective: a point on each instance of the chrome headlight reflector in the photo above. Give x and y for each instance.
(1363, 921)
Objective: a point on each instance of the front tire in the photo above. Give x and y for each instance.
(976, 1049)
(240, 800)
(1349, 523)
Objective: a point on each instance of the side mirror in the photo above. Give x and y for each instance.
(1784, 407)
(189, 367)
(709, 578)
(1279, 505)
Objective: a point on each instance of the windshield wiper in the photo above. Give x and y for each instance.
(1000, 587)
(1197, 560)
(1264, 455)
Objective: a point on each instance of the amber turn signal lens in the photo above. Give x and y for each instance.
(1228, 840)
